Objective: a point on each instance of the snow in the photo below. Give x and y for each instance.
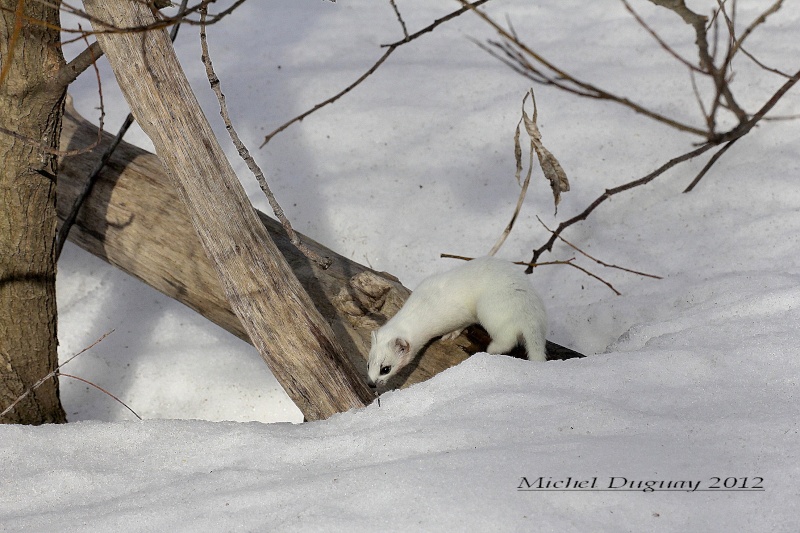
(690, 378)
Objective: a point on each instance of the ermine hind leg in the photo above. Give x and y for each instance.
(502, 345)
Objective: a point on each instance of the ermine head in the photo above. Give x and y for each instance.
(386, 357)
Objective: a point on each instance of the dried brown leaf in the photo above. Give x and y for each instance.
(551, 168)
(518, 153)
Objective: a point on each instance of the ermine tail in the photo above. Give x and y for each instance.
(533, 337)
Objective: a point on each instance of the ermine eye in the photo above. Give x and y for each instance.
(385, 370)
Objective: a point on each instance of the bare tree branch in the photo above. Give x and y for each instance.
(660, 41)
(699, 24)
(736, 133)
(719, 153)
(390, 48)
(599, 262)
(101, 389)
(534, 66)
(761, 19)
(69, 221)
(531, 266)
(548, 246)
(244, 153)
(81, 62)
(516, 51)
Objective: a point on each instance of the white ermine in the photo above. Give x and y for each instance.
(489, 291)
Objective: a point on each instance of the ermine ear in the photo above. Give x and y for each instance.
(373, 336)
(401, 346)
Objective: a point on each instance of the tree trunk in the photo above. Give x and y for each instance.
(30, 115)
(277, 314)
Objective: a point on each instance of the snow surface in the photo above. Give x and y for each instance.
(692, 377)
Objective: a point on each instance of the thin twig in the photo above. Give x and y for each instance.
(737, 43)
(523, 189)
(661, 41)
(713, 159)
(390, 48)
(330, 100)
(244, 153)
(706, 116)
(598, 261)
(101, 389)
(561, 78)
(453, 256)
(721, 78)
(531, 266)
(761, 19)
(570, 262)
(761, 64)
(52, 374)
(436, 23)
(88, 186)
(399, 18)
(780, 118)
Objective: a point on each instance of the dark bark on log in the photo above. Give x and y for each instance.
(30, 116)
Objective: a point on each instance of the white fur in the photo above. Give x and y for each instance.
(488, 291)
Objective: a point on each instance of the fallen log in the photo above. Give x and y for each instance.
(134, 220)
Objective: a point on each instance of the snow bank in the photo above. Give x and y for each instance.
(690, 379)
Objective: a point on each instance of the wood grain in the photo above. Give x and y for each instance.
(274, 309)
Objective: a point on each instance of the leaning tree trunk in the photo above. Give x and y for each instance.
(279, 317)
(30, 116)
